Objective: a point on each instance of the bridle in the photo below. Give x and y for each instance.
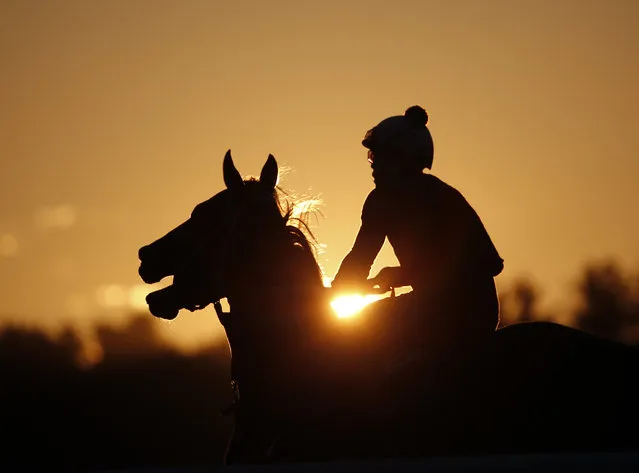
(214, 232)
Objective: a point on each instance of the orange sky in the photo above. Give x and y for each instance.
(115, 116)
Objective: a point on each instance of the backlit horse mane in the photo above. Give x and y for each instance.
(297, 234)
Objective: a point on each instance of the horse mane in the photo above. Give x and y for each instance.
(295, 212)
(298, 229)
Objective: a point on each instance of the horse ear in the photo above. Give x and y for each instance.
(232, 177)
(269, 172)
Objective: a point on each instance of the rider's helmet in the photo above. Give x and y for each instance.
(406, 133)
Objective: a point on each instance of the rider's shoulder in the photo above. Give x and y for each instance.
(375, 205)
(429, 179)
(438, 184)
(445, 193)
(373, 197)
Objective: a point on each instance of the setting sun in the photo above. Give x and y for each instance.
(349, 306)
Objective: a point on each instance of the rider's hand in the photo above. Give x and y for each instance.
(387, 278)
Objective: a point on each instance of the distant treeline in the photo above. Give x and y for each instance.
(143, 405)
(606, 302)
(146, 404)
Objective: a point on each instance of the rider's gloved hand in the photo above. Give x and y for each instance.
(388, 278)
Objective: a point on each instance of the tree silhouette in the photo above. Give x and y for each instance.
(607, 306)
(32, 351)
(519, 303)
(144, 404)
(137, 339)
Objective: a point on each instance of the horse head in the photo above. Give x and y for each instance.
(203, 253)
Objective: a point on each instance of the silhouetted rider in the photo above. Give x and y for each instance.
(444, 251)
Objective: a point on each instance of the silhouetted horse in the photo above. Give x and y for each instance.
(308, 387)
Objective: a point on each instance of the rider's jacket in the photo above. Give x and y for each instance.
(437, 236)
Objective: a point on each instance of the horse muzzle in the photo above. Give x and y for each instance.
(150, 275)
(164, 303)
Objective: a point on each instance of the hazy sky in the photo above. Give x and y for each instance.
(115, 116)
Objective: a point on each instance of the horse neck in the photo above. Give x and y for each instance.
(276, 308)
(280, 275)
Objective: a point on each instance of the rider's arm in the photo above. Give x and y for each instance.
(356, 265)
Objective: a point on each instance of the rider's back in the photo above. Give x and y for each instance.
(442, 244)
(435, 233)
